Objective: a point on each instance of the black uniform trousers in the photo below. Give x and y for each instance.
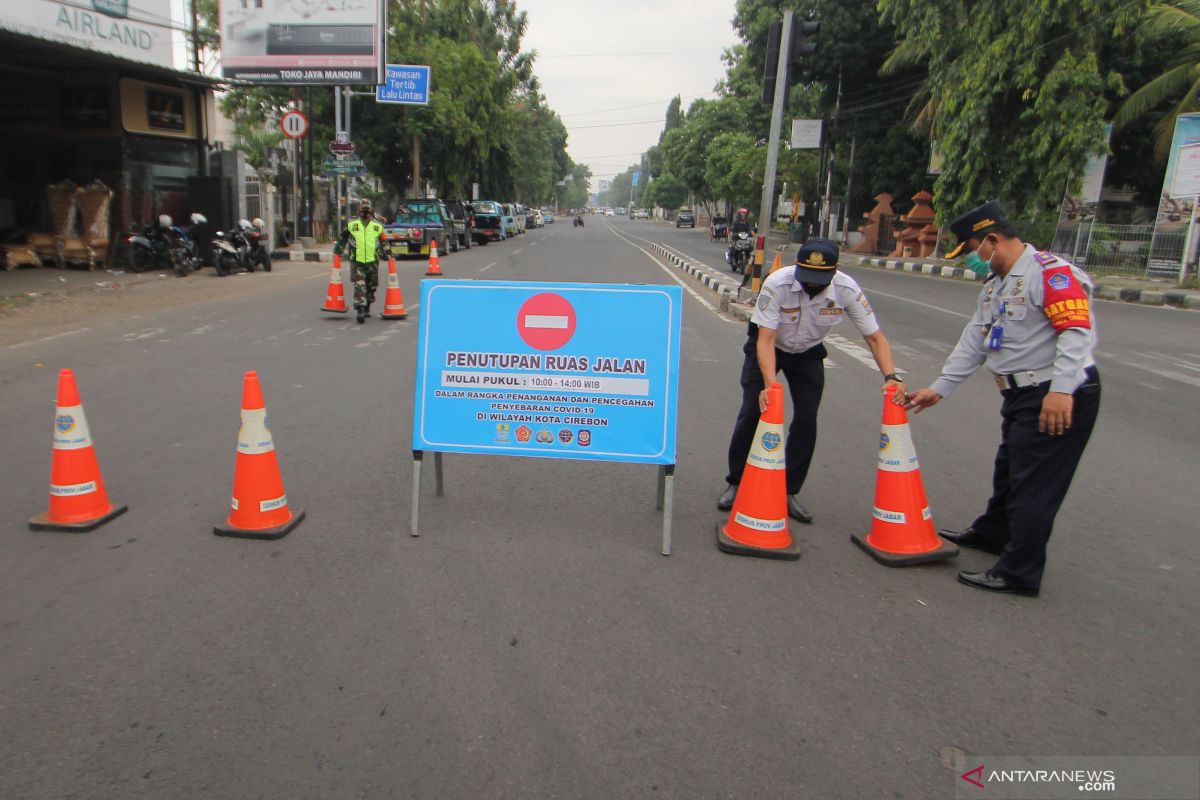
(1032, 474)
(805, 374)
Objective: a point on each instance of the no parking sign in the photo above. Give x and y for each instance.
(552, 370)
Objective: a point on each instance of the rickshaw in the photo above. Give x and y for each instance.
(718, 229)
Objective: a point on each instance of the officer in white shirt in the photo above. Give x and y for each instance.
(796, 309)
(1035, 330)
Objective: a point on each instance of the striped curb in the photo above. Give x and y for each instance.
(302, 255)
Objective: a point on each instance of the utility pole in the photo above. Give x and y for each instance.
(337, 176)
(308, 151)
(766, 207)
(849, 180)
(832, 158)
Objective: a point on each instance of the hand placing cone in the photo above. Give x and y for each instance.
(335, 299)
(259, 507)
(435, 268)
(758, 521)
(902, 530)
(78, 499)
(393, 301)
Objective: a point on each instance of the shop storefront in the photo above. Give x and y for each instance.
(79, 116)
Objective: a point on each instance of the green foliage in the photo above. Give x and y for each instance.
(666, 191)
(1017, 96)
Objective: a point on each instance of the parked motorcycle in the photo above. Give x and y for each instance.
(184, 254)
(260, 248)
(232, 249)
(738, 254)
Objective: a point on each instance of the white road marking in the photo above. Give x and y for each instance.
(859, 353)
(941, 347)
(873, 292)
(302, 332)
(673, 277)
(1164, 373)
(47, 338)
(518, 250)
(202, 329)
(146, 333)
(489, 266)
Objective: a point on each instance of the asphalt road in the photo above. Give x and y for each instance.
(533, 643)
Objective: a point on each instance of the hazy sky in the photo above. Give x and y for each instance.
(610, 67)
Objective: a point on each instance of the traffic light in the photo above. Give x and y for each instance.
(801, 45)
(772, 63)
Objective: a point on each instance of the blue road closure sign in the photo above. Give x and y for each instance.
(552, 370)
(404, 84)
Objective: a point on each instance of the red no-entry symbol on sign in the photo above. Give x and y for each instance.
(546, 321)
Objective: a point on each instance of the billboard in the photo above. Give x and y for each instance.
(1174, 211)
(135, 29)
(333, 42)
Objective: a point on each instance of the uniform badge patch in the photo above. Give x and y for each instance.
(764, 300)
(1058, 281)
(1044, 258)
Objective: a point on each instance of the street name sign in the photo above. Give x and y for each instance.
(404, 84)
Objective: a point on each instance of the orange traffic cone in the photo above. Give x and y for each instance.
(434, 267)
(393, 301)
(335, 300)
(259, 505)
(758, 522)
(902, 532)
(777, 263)
(78, 500)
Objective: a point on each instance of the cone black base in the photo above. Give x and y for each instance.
(393, 316)
(727, 545)
(263, 533)
(42, 522)
(438, 274)
(335, 310)
(888, 559)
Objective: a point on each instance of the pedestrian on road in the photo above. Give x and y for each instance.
(796, 309)
(1035, 331)
(367, 244)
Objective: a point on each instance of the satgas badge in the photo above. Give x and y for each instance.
(524, 433)
(566, 436)
(584, 437)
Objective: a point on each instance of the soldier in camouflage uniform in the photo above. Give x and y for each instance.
(367, 245)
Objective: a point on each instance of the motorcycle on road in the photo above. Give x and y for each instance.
(738, 254)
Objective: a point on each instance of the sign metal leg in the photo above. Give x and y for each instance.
(416, 492)
(437, 474)
(666, 492)
(662, 477)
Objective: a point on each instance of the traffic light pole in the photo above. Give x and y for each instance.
(766, 208)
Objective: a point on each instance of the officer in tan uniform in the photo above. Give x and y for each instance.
(796, 309)
(1035, 330)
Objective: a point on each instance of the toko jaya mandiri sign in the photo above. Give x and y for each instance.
(551, 370)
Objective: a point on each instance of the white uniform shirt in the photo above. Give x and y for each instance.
(801, 322)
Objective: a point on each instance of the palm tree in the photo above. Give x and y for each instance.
(1174, 23)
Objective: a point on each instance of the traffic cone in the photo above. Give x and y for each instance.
(78, 500)
(435, 268)
(259, 505)
(902, 531)
(393, 301)
(758, 521)
(335, 300)
(777, 263)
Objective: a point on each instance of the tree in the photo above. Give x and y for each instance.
(1171, 26)
(667, 191)
(1020, 92)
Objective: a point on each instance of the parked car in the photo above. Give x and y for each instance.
(547, 216)
(608, 212)
(509, 220)
(685, 218)
(640, 213)
(464, 223)
(519, 216)
(489, 221)
(417, 223)
(532, 218)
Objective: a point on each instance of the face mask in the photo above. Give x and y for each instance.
(813, 289)
(975, 262)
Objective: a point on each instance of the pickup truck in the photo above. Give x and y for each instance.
(489, 221)
(464, 224)
(417, 223)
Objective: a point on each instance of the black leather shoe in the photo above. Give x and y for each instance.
(797, 511)
(361, 316)
(994, 583)
(971, 538)
(725, 501)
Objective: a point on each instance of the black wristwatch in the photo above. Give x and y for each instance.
(891, 376)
